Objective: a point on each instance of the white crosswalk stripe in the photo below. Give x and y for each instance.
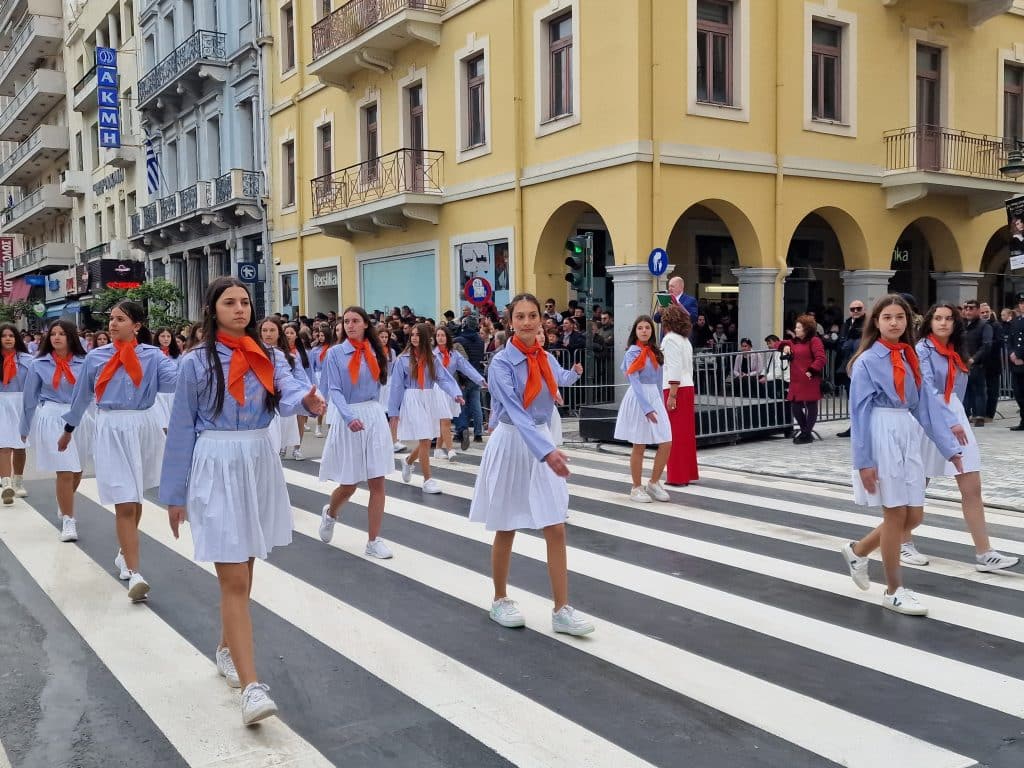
(786, 677)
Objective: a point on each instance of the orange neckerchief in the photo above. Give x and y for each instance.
(63, 370)
(899, 370)
(166, 351)
(124, 355)
(10, 366)
(246, 355)
(953, 360)
(646, 353)
(323, 351)
(538, 371)
(446, 357)
(363, 351)
(421, 376)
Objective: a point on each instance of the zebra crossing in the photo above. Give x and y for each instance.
(728, 633)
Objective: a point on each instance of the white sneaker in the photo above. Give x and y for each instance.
(377, 548)
(440, 454)
(138, 588)
(640, 495)
(507, 613)
(994, 561)
(431, 486)
(308, 426)
(226, 667)
(400, 447)
(570, 622)
(910, 556)
(68, 530)
(7, 494)
(406, 471)
(657, 492)
(452, 455)
(858, 567)
(256, 703)
(18, 482)
(282, 453)
(903, 601)
(123, 573)
(319, 432)
(298, 455)
(327, 525)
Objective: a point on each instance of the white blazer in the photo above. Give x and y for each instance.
(678, 360)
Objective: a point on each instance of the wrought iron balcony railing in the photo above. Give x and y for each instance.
(204, 45)
(84, 81)
(96, 252)
(943, 150)
(356, 16)
(198, 198)
(403, 171)
(237, 183)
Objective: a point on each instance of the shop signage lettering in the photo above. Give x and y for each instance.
(109, 181)
(106, 96)
(325, 278)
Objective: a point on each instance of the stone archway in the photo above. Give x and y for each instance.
(572, 218)
(999, 284)
(818, 254)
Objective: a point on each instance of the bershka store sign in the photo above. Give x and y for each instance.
(325, 278)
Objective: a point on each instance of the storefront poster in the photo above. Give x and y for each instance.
(490, 261)
(1015, 219)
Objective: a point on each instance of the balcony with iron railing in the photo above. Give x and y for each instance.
(96, 252)
(364, 34)
(203, 198)
(237, 184)
(83, 95)
(204, 55)
(46, 145)
(930, 159)
(382, 193)
(46, 258)
(13, 10)
(38, 37)
(36, 98)
(35, 210)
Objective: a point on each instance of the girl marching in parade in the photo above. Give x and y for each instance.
(124, 378)
(642, 418)
(359, 447)
(48, 391)
(413, 401)
(164, 338)
(945, 374)
(323, 340)
(284, 430)
(891, 411)
(384, 334)
(522, 478)
(454, 362)
(297, 349)
(17, 364)
(220, 471)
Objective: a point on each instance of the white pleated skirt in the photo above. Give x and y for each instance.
(385, 395)
(515, 491)
(935, 464)
(48, 427)
(332, 416)
(238, 505)
(130, 447)
(556, 426)
(418, 419)
(355, 457)
(896, 444)
(632, 425)
(445, 405)
(289, 430)
(162, 406)
(10, 420)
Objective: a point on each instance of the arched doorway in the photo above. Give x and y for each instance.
(913, 263)
(815, 283)
(573, 218)
(999, 284)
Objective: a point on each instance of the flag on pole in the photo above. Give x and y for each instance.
(152, 168)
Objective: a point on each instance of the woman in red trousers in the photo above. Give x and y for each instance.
(807, 362)
(677, 383)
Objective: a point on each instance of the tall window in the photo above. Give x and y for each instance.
(98, 218)
(323, 149)
(325, 8)
(476, 128)
(714, 51)
(1013, 103)
(288, 33)
(370, 153)
(79, 160)
(288, 174)
(826, 71)
(560, 66)
(94, 136)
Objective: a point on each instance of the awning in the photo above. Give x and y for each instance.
(55, 310)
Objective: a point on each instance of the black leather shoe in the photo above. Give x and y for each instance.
(844, 433)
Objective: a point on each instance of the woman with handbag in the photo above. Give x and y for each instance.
(807, 362)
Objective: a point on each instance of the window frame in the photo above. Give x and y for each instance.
(476, 49)
(476, 101)
(716, 30)
(545, 50)
(819, 53)
(289, 187)
(846, 87)
(1016, 92)
(289, 51)
(559, 49)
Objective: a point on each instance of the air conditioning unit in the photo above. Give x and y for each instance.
(73, 183)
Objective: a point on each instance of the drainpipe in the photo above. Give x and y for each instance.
(263, 133)
(780, 245)
(517, 142)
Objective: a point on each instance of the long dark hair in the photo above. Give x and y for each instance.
(19, 343)
(300, 344)
(193, 340)
(652, 343)
(956, 338)
(871, 334)
(424, 353)
(282, 344)
(137, 314)
(370, 335)
(215, 374)
(173, 349)
(71, 331)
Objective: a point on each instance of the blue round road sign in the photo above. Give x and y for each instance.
(478, 291)
(248, 273)
(657, 262)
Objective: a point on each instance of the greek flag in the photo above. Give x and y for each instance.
(152, 168)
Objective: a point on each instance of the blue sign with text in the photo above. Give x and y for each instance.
(107, 99)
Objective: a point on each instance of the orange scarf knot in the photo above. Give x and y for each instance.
(63, 370)
(646, 353)
(363, 351)
(446, 357)
(10, 366)
(124, 356)
(953, 361)
(538, 371)
(899, 370)
(323, 351)
(247, 355)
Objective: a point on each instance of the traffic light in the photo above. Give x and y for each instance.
(578, 275)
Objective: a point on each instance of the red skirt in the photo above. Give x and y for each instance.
(682, 460)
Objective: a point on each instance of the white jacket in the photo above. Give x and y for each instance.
(678, 360)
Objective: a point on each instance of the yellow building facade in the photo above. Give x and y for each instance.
(786, 154)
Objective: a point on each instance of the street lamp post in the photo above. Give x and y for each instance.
(1014, 168)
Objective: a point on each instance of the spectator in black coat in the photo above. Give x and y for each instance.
(978, 348)
(994, 362)
(473, 344)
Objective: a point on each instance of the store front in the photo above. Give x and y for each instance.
(396, 281)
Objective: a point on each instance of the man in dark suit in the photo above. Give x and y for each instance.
(677, 295)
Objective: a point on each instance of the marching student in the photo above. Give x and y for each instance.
(642, 419)
(297, 349)
(332, 416)
(454, 362)
(17, 364)
(412, 401)
(358, 448)
(124, 378)
(891, 411)
(284, 431)
(945, 373)
(384, 334)
(48, 391)
(220, 473)
(323, 340)
(169, 346)
(100, 339)
(521, 483)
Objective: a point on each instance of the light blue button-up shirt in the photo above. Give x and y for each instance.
(193, 412)
(934, 368)
(17, 384)
(403, 380)
(39, 387)
(872, 386)
(647, 375)
(457, 363)
(337, 383)
(159, 374)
